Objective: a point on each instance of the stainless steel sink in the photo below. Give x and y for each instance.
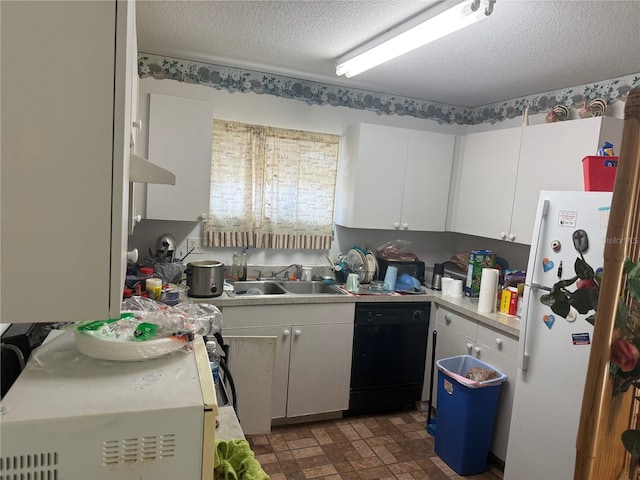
(311, 288)
(271, 287)
(258, 288)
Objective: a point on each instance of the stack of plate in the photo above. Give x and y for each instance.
(106, 344)
(362, 262)
(371, 268)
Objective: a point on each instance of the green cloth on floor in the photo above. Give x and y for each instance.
(235, 461)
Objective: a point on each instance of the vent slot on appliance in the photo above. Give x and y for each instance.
(143, 449)
(36, 466)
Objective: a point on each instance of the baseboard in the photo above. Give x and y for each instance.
(276, 422)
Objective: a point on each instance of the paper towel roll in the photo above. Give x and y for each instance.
(446, 286)
(390, 278)
(455, 290)
(488, 290)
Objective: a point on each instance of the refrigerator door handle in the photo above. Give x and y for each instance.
(537, 286)
(541, 216)
(523, 351)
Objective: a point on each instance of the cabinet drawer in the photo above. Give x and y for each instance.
(296, 314)
(457, 323)
(498, 341)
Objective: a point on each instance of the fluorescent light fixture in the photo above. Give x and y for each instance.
(401, 40)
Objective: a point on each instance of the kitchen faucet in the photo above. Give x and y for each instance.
(298, 271)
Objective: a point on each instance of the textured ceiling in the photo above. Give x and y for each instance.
(523, 48)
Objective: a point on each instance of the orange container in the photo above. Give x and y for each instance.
(599, 173)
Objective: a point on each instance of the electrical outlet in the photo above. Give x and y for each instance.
(195, 244)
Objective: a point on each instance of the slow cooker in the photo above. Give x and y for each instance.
(205, 278)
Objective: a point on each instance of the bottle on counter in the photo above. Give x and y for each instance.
(235, 267)
(143, 274)
(214, 360)
(243, 265)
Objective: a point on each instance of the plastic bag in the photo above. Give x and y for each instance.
(396, 250)
(169, 272)
(461, 260)
(203, 314)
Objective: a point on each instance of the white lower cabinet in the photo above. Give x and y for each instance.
(313, 353)
(460, 335)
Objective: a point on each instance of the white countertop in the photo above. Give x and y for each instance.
(228, 424)
(466, 306)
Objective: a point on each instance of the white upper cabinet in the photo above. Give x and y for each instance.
(551, 159)
(393, 178)
(501, 173)
(66, 130)
(485, 185)
(180, 136)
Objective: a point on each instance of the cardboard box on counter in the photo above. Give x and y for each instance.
(509, 301)
(478, 259)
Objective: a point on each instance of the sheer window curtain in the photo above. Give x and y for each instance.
(271, 187)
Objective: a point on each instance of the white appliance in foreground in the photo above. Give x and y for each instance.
(554, 351)
(76, 417)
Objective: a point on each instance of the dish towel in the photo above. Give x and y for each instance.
(235, 461)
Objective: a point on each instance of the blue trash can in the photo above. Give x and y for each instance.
(466, 413)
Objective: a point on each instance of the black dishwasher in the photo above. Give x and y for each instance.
(389, 352)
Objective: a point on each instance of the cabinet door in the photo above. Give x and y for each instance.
(485, 183)
(551, 159)
(280, 376)
(319, 370)
(65, 144)
(500, 351)
(426, 181)
(456, 336)
(180, 133)
(371, 179)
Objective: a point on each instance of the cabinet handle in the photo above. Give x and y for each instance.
(137, 124)
(447, 318)
(297, 333)
(469, 346)
(202, 216)
(477, 350)
(512, 237)
(286, 333)
(405, 226)
(503, 235)
(396, 226)
(132, 256)
(499, 342)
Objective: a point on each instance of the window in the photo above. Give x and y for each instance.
(271, 187)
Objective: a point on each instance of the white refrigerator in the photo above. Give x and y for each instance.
(554, 351)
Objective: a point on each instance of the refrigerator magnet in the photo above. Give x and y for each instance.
(560, 270)
(567, 218)
(555, 246)
(572, 315)
(603, 215)
(581, 241)
(580, 339)
(547, 264)
(549, 320)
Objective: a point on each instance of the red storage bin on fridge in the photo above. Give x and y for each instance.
(599, 173)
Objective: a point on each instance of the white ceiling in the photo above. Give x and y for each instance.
(523, 48)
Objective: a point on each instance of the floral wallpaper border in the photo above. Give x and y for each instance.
(316, 93)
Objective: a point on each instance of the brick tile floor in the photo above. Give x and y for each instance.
(392, 446)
